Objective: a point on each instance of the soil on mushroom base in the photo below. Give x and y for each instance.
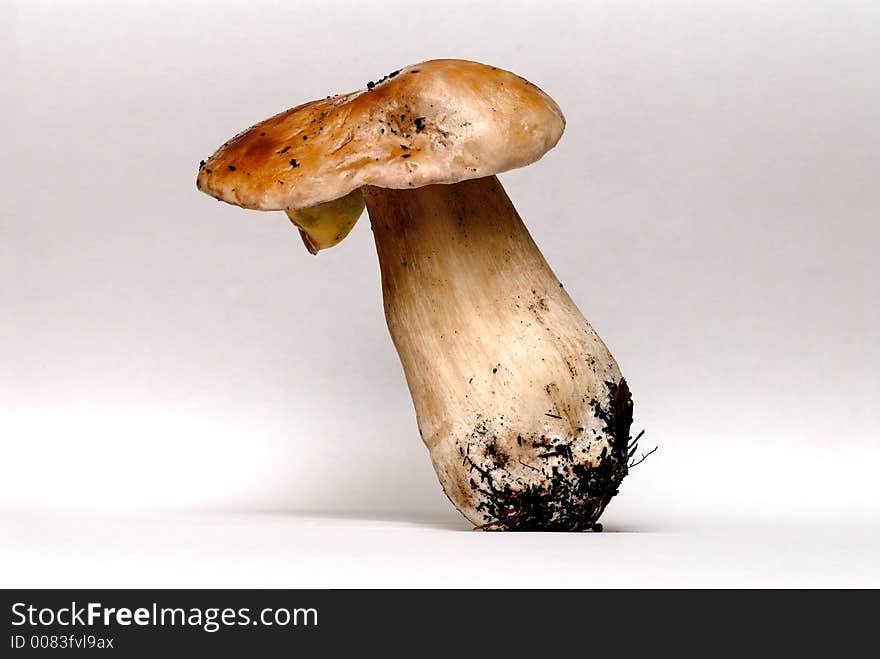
(571, 495)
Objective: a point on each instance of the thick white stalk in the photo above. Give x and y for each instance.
(521, 405)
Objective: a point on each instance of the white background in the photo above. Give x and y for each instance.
(189, 398)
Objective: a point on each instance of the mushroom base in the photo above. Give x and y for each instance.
(567, 494)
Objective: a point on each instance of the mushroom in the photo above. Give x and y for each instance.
(522, 407)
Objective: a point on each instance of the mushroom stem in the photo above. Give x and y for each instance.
(521, 405)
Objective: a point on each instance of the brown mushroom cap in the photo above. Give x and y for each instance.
(440, 121)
